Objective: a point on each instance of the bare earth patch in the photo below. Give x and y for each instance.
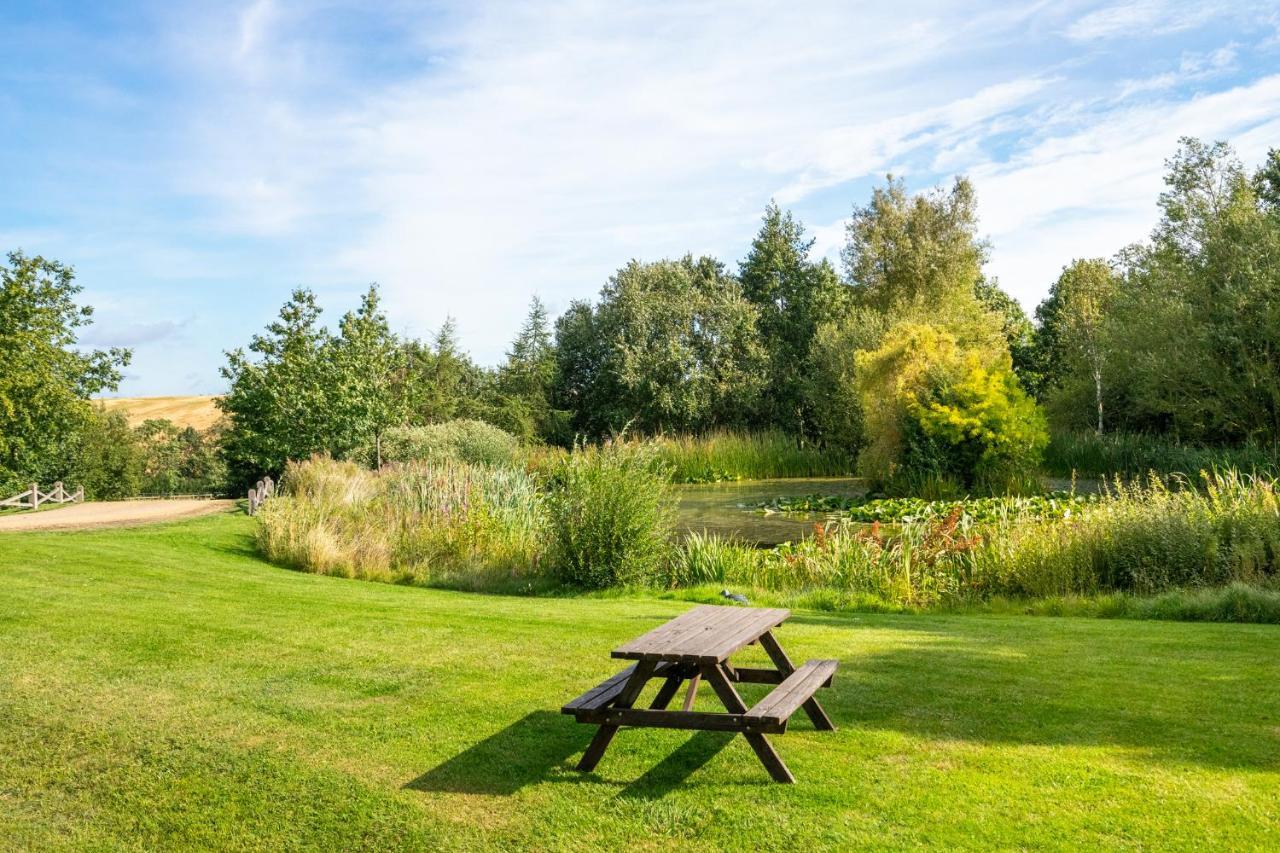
(108, 513)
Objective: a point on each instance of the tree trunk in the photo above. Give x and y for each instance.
(1097, 390)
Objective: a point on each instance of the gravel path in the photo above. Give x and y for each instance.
(81, 515)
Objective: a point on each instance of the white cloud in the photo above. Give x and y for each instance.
(1140, 18)
(516, 149)
(1192, 67)
(1092, 191)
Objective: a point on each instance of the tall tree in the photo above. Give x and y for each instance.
(1197, 343)
(365, 362)
(1075, 319)
(792, 294)
(440, 381)
(672, 345)
(45, 380)
(523, 387)
(1019, 333)
(278, 405)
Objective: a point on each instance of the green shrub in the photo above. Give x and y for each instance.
(180, 460)
(611, 510)
(942, 419)
(474, 442)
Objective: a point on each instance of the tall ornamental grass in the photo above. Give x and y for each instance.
(728, 455)
(470, 441)
(611, 508)
(440, 523)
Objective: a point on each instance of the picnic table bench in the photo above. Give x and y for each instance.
(695, 647)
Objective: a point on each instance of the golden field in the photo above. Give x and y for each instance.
(197, 411)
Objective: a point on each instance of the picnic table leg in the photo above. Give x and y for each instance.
(692, 692)
(733, 704)
(599, 743)
(819, 717)
(667, 692)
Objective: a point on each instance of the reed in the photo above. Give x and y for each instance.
(729, 455)
(433, 523)
(1136, 454)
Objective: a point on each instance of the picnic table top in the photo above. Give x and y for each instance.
(705, 634)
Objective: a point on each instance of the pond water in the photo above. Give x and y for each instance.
(719, 507)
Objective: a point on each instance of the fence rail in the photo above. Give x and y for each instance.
(33, 497)
(258, 495)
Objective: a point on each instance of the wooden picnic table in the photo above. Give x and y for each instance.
(696, 647)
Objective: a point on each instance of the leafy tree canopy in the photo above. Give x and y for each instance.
(46, 380)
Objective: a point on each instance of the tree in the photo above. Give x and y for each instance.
(1075, 319)
(524, 384)
(672, 345)
(365, 363)
(440, 381)
(1192, 333)
(278, 406)
(46, 381)
(1019, 333)
(792, 294)
(584, 383)
(832, 383)
(107, 458)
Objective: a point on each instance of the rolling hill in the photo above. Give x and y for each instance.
(196, 411)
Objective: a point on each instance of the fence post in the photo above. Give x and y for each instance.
(58, 494)
(79, 495)
(35, 495)
(253, 499)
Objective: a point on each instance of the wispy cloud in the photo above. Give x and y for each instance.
(1141, 18)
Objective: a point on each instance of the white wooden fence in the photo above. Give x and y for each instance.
(33, 497)
(264, 489)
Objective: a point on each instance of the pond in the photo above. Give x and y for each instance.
(719, 507)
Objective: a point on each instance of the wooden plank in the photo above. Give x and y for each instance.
(708, 633)
(684, 625)
(710, 721)
(692, 693)
(812, 709)
(666, 692)
(787, 697)
(610, 689)
(730, 642)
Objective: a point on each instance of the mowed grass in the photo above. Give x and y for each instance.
(164, 687)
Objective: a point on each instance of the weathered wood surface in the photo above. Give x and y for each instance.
(259, 493)
(609, 690)
(705, 634)
(693, 647)
(33, 497)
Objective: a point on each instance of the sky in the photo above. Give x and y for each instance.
(196, 162)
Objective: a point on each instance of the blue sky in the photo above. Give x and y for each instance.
(196, 162)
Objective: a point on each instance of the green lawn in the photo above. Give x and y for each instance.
(164, 687)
